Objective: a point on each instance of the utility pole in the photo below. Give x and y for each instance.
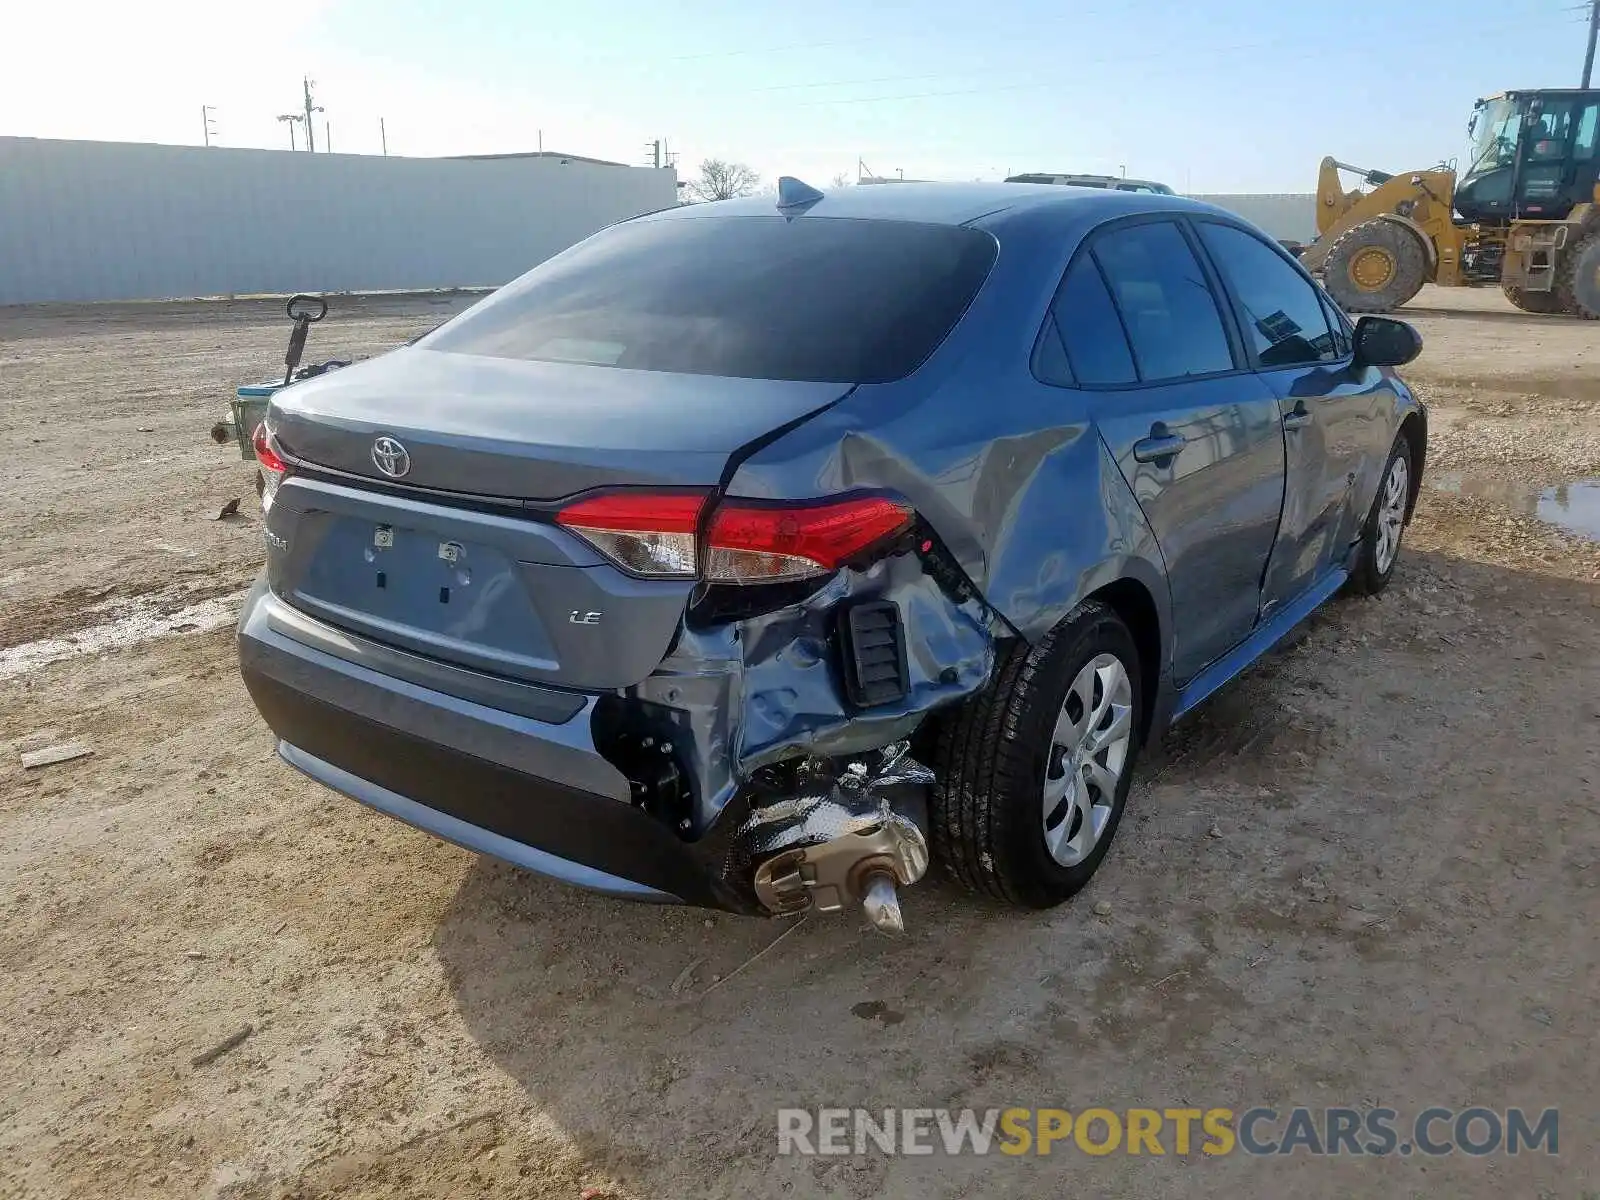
(1594, 29)
(291, 120)
(208, 121)
(652, 153)
(311, 136)
(383, 136)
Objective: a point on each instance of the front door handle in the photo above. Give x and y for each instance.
(1299, 418)
(1158, 446)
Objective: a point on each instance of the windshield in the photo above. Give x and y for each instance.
(1494, 129)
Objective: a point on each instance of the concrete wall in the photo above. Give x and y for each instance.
(84, 221)
(1289, 216)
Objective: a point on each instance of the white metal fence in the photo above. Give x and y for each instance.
(83, 221)
(1291, 216)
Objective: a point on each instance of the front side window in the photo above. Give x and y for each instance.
(1337, 323)
(1172, 318)
(1283, 315)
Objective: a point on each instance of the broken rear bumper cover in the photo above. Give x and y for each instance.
(814, 814)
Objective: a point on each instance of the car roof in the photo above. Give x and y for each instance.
(947, 203)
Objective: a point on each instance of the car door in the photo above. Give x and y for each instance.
(1337, 418)
(1195, 433)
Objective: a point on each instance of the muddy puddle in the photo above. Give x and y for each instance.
(120, 623)
(1572, 507)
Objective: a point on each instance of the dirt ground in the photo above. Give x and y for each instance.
(1366, 873)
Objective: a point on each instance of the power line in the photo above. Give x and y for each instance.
(1055, 80)
(1533, 9)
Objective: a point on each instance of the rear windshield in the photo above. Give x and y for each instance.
(812, 298)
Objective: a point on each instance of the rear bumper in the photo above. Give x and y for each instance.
(532, 792)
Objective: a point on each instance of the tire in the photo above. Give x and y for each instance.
(1375, 561)
(1374, 267)
(998, 751)
(1535, 302)
(1578, 278)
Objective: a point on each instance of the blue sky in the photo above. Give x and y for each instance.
(1215, 95)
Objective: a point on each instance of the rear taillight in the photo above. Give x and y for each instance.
(750, 543)
(273, 468)
(647, 533)
(654, 534)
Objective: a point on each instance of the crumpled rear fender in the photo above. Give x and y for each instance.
(749, 693)
(1037, 516)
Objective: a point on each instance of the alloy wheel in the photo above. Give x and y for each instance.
(1088, 753)
(1391, 515)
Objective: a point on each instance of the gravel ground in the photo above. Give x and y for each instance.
(1365, 873)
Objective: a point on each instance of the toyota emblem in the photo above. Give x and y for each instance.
(390, 457)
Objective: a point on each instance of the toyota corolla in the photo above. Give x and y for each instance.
(759, 554)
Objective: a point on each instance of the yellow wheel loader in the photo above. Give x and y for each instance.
(1525, 215)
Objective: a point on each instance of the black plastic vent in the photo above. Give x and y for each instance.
(874, 644)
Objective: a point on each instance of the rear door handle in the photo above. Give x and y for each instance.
(1158, 446)
(1299, 418)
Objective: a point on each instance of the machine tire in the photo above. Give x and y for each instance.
(997, 753)
(1578, 282)
(1535, 302)
(1365, 249)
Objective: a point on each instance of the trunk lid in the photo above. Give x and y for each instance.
(457, 557)
(532, 430)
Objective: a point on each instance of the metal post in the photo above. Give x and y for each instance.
(327, 138)
(1594, 29)
(311, 135)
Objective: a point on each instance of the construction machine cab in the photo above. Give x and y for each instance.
(1534, 156)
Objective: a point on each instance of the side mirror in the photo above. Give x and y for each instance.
(1385, 342)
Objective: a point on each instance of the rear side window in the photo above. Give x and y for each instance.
(817, 299)
(1167, 307)
(1584, 146)
(1090, 329)
(1283, 315)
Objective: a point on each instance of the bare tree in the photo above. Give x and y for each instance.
(721, 180)
(842, 179)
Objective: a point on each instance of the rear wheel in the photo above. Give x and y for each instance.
(1033, 772)
(1374, 267)
(1535, 302)
(1578, 283)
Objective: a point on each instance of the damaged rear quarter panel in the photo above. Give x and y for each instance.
(1008, 472)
